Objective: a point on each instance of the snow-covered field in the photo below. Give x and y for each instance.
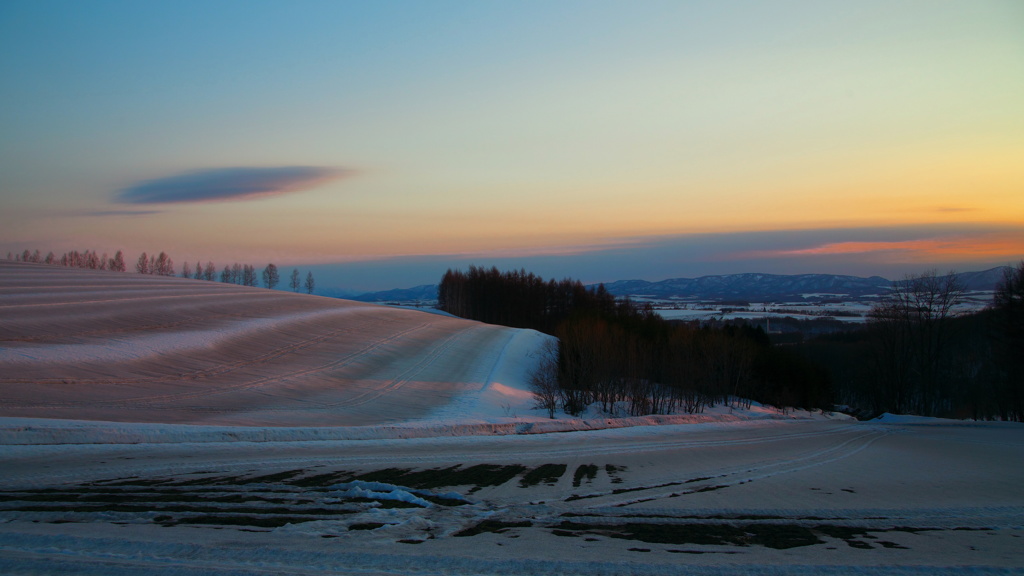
(850, 311)
(131, 348)
(165, 426)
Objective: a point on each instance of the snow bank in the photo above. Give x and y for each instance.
(910, 419)
(34, 431)
(376, 491)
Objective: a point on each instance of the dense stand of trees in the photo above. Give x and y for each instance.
(624, 356)
(916, 356)
(518, 298)
(163, 265)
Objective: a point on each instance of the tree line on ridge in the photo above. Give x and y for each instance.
(623, 356)
(163, 265)
(916, 354)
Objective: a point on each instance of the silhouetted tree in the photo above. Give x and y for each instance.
(296, 283)
(310, 283)
(911, 333)
(270, 276)
(163, 265)
(547, 393)
(209, 272)
(1008, 302)
(186, 270)
(613, 351)
(1008, 311)
(142, 266)
(249, 276)
(117, 263)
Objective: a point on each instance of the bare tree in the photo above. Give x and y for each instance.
(310, 283)
(295, 282)
(270, 276)
(142, 266)
(547, 394)
(581, 365)
(209, 272)
(163, 265)
(249, 276)
(1008, 309)
(911, 329)
(1009, 302)
(117, 263)
(167, 267)
(186, 270)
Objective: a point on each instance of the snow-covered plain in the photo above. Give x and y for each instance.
(166, 426)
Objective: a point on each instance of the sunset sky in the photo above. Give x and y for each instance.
(380, 142)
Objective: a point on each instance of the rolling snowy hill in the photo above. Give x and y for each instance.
(96, 345)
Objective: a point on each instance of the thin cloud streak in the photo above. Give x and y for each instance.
(891, 252)
(955, 246)
(228, 184)
(124, 212)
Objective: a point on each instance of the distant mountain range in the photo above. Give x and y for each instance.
(426, 292)
(773, 287)
(732, 287)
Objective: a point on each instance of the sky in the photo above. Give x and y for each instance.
(381, 142)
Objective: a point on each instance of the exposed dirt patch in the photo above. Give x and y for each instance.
(613, 472)
(585, 471)
(366, 526)
(496, 526)
(779, 536)
(547, 474)
(478, 476)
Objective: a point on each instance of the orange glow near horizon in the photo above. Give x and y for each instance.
(680, 133)
(995, 246)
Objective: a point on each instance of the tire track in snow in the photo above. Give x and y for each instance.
(117, 300)
(185, 342)
(466, 402)
(151, 402)
(829, 455)
(336, 364)
(408, 375)
(201, 315)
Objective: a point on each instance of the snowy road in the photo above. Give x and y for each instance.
(757, 497)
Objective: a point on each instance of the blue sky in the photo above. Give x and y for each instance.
(599, 140)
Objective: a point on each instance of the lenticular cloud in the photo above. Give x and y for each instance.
(227, 184)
